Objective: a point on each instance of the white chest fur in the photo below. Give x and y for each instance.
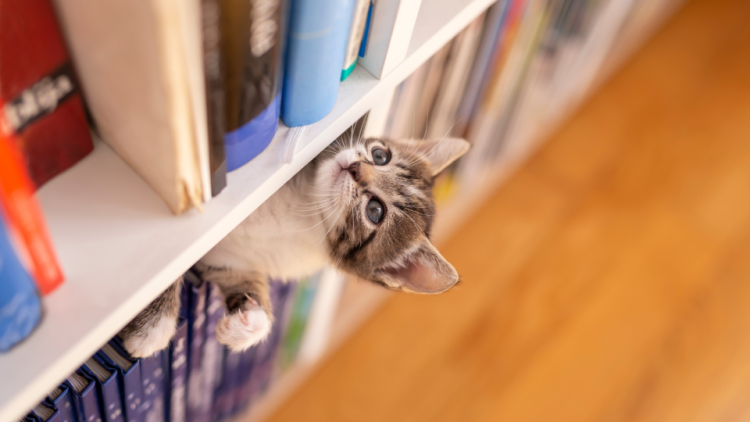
(280, 239)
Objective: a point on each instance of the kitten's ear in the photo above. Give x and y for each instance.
(424, 271)
(440, 153)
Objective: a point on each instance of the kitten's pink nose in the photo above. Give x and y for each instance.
(354, 170)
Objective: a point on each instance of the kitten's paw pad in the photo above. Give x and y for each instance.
(144, 342)
(244, 329)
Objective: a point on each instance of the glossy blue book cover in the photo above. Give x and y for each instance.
(20, 307)
(316, 48)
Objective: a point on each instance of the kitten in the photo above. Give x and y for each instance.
(363, 206)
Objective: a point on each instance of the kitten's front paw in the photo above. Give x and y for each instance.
(244, 328)
(145, 341)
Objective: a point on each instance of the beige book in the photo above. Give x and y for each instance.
(139, 66)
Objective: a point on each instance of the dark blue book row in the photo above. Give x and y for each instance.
(195, 380)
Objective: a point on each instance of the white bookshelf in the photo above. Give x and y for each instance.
(120, 246)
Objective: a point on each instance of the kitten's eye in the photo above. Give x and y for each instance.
(374, 211)
(380, 156)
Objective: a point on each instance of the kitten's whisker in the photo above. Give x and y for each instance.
(317, 224)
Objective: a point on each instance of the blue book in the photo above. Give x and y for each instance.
(85, 396)
(62, 400)
(224, 395)
(197, 406)
(45, 412)
(20, 308)
(154, 372)
(178, 365)
(316, 48)
(264, 361)
(241, 389)
(252, 49)
(108, 384)
(213, 351)
(129, 371)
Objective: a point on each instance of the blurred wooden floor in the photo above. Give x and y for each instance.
(608, 280)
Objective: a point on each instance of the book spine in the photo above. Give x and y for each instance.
(153, 377)
(87, 400)
(251, 42)
(357, 30)
(223, 397)
(24, 215)
(131, 382)
(196, 339)
(300, 309)
(20, 307)
(366, 34)
(264, 359)
(41, 102)
(318, 35)
(212, 351)
(109, 392)
(212, 70)
(64, 403)
(178, 373)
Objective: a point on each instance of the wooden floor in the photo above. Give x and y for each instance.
(607, 280)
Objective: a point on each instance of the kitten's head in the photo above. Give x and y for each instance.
(382, 209)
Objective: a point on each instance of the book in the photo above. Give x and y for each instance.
(61, 399)
(40, 100)
(213, 69)
(108, 384)
(196, 408)
(252, 46)
(129, 371)
(23, 217)
(44, 412)
(154, 370)
(141, 70)
(212, 362)
(454, 81)
(356, 32)
(85, 396)
(495, 26)
(20, 307)
(299, 312)
(254, 383)
(318, 34)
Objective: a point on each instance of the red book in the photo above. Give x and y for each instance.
(42, 105)
(24, 217)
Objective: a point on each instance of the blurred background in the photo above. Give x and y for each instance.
(606, 278)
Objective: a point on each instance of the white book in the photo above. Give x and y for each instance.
(391, 26)
(141, 71)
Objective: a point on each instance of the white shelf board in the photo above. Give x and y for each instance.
(120, 246)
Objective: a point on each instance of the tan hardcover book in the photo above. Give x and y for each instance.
(137, 62)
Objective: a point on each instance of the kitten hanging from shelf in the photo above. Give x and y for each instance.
(362, 206)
